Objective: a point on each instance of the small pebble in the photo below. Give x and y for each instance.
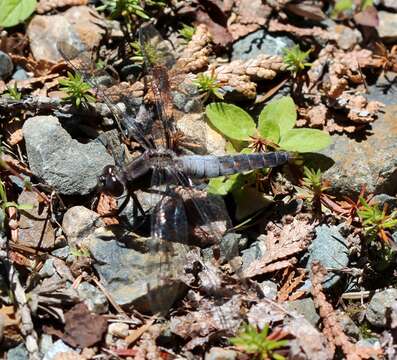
(6, 66)
(118, 329)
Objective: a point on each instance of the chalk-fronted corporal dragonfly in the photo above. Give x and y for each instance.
(161, 167)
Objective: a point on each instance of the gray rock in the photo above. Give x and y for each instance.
(260, 42)
(45, 343)
(304, 307)
(94, 298)
(70, 167)
(57, 348)
(379, 308)
(20, 74)
(387, 28)
(329, 247)
(132, 274)
(62, 253)
(348, 325)
(217, 353)
(269, 289)
(48, 268)
(254, 252)
(348, 37)
(118, 330)
(391, 4)
(6, 66)
(79, 27)
(35, 228)
(18, 353)
(79, 222)
(371, 162)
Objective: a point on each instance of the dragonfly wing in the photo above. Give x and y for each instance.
(168, 245)
(155, 60)
(211, 224)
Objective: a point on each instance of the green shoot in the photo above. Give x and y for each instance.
(259, 344)
(79, 252)
(296, 59)
(209, 85)
(313, 189)
(186, 33)
(77, 90)
(376, 222)
(346, 6)
(5, 204)
(13, 92)
(149, 51)
(124, 8)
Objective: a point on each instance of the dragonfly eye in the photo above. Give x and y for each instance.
(109, 183)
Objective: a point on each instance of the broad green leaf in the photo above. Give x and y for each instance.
(231, 121)
(281, 111)
(305, 140)
(14, 12)
(270, 130)
(221, 185)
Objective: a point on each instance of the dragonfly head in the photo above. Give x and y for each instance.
(109, 183)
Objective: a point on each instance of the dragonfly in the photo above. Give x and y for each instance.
(162, 168)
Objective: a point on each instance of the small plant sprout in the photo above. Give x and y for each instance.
(313, 189)
(149, 51)
(13, 92)
(376, 222)
(78, 92)
(208, 85)
(124, 8)
(296, 59)
(186, 33)
(260, 344)
(5, 204)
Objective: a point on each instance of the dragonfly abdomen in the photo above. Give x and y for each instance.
(209, 166)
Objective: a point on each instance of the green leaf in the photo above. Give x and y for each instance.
(222, 185)
(281, 112)
(305, 140)
(14, 12)
(343, 5)
(270, 130)
(231, 121)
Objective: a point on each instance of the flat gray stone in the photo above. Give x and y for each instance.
(79, 222)
(387, 28)
(76, 27)
(379, 307)
(329, 247)
(18, 353)
(260, 42)
(372, 162)
(94, 298)
(132, 274)
(57, 348)
(72, 168)
(304, 307)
